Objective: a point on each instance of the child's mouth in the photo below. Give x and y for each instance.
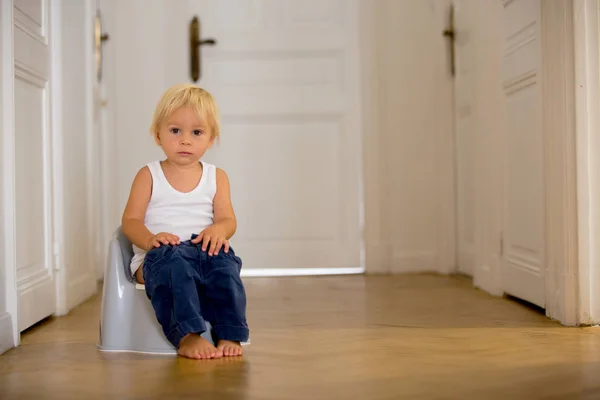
(184, 153)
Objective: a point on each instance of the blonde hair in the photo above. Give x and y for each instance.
(187, 95)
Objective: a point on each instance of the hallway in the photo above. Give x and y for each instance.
(351, 337)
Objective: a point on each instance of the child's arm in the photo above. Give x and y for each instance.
(222, 207)
(132, 221)
(225, 223)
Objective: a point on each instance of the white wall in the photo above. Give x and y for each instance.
(486, 41)
(408, 142)
(77, 153)
(107, 89)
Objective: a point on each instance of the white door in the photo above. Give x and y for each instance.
(465, 15)
(33, 173)
(285, 75)
(523, 234)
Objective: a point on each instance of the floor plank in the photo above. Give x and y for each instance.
(351, 337)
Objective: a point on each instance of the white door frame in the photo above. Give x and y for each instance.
(7, 119)
(105, 91)
(558, 80)
(64, 303)
(587, 103)
(57, 166)
(8, 165)
(570, 74)
(93, 150)
(560, 174)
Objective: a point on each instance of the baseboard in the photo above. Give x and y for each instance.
(80, 290)
(377, 258)
(6, 333)
(487, 280)
(418, 262)
(274, 272)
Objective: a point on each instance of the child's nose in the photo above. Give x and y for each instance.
(185, 139)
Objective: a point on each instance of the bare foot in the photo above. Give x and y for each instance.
(230, 349)
(195, 346)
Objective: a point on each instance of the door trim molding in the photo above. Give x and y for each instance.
(105, 108)
(587, 102)
(377, 250)
(92, 166)
(558, 109)
(57, 163)
(6, 333)
(8, 165)
(70, 291)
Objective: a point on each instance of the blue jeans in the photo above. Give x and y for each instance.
(187, 287)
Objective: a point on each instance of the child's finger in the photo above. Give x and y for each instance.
(218, 246)
(198, 238)
(213, 246)
(205, 242)
(226, 246)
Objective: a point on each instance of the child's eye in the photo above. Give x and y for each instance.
(175, 130)
(197, 132)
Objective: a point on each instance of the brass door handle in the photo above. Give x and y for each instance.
(99, 39)
(195, 43)
(450, 33)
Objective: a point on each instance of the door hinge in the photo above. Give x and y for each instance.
(56, 254)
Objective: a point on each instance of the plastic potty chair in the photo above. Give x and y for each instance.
(127, 322)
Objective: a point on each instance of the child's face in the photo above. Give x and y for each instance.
(184, 137)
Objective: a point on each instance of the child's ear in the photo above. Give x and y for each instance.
(157, 138)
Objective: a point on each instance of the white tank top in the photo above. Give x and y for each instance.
(172, 211)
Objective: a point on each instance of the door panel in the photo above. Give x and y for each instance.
(524, 244)
(35, 279)
(499, 123)
(285, 77)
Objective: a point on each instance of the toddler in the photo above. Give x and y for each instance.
(179, 218)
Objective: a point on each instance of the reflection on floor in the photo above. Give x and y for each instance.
(350, 337)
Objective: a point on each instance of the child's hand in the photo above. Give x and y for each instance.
(162, 238)
(216, 236)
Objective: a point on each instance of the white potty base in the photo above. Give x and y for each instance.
(127, 320)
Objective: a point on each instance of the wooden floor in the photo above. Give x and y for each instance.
(413, 337)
